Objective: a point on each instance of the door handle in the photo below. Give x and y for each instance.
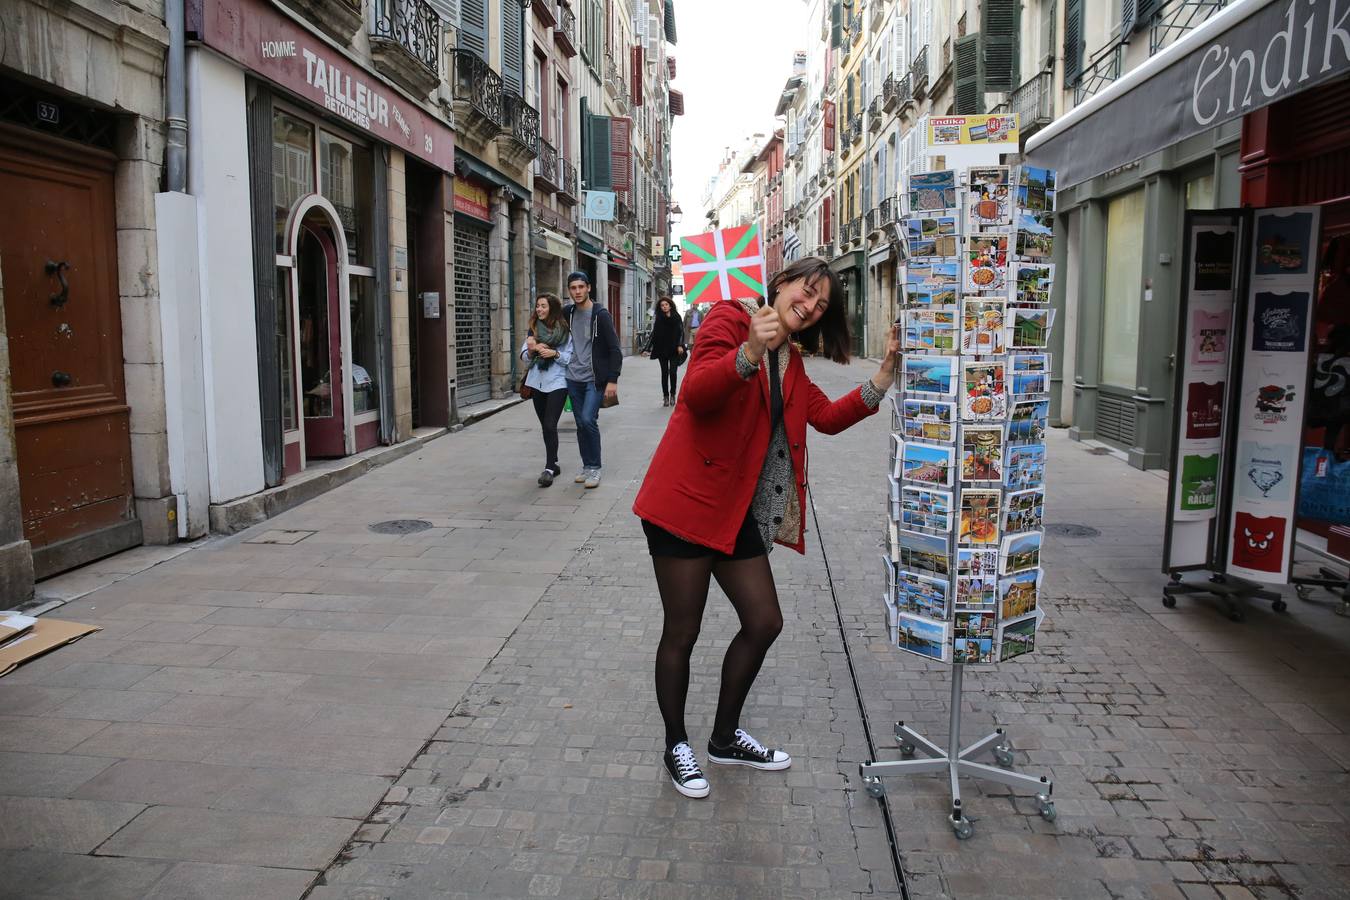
(59, 270)
(61, 379)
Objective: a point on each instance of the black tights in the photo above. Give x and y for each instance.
(683, 584)
(548, 407)
(668, 370)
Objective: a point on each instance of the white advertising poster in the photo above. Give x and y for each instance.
(1273, 392)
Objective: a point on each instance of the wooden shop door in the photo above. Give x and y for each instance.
(58, 256)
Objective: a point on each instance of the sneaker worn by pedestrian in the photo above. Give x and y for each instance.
(684, 771)
(582, 474)
(593, 478)
(546, 478)
(746, 751)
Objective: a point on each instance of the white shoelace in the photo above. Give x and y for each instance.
(685, 762)
(749, 743)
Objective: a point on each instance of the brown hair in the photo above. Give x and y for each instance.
(555, 310)
(829, 335)
(667, 300)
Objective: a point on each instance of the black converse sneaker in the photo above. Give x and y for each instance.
(746, 751)
(684, 771)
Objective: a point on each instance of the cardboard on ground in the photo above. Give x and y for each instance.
(44, 635)
(13, 624)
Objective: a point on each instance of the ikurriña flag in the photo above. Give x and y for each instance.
(723, 265)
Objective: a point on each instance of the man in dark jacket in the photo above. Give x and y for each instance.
(593, 373)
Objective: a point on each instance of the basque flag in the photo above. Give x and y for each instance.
(723, 265)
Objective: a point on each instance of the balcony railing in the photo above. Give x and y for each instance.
(886, 211)
(565, 34)
(406, 42)
(904, 91)
(546, 11)
(888, 92)
(855, 27)
(567, 187)
(871, 219)
(546, 168)
(874, 114)
(855, 127)
(1177, 18)
(524, 120)
(1034, 102)
(1104, 70)
(825, 251)
(476, 82)
(918, 73)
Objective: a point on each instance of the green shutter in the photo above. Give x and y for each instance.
(1073, 41)
(968, 63)
(596, 161)
(836, 24)
(1000, 21)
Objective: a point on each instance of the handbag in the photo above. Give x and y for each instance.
(525, 391)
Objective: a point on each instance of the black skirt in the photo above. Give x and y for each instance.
(662, 543)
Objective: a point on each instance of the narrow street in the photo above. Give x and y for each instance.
(467, 711)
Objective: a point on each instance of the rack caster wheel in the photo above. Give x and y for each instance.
(961, 828)
(1046, 807)
(907, 750)
(1279, 605)
(1343, 609)
(1169, 601)
(875, 789)
(1004, 756)
(1236, 615)
(1303, 591)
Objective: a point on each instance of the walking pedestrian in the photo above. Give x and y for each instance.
(593, 373)
(666, 346)
(729, 479)
(547, 351)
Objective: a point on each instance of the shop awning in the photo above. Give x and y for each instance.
(676, 103)
(552, 243)
(1247, 56)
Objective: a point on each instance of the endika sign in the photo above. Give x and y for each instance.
(723, 265)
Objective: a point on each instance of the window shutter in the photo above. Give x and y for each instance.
(598, 155)
(621, 153)
(826, 231)
(1046, 61)
(969, 75)
(1073, 41)
(1147, 9)
(513, 48)
(639, 70)
(836, 24)
(1128, 12)
(473, 28)
(999, 24)
(900, 61)
(448, 10)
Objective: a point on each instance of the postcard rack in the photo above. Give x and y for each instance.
(967, 479)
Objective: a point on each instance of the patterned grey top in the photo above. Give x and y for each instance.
(775, 500)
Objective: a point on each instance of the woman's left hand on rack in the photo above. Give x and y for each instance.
(885, 377)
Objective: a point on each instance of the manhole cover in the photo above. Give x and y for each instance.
(1068, 529)
(400, 526)
(1099, 451)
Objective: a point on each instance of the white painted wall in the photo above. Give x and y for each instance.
(218, 177)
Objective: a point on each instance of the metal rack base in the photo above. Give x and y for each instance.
(1232, 593)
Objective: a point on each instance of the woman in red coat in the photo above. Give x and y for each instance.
(729, 480)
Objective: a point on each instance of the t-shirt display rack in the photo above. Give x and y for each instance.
(1244, 346)
(967, 454)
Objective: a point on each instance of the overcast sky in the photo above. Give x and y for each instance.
(731, 63)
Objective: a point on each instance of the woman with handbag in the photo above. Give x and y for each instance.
(547, 350)
(729, 480)
(666, 346)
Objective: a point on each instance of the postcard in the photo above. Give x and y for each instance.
(986, 262)
(1030, 383)
(982, 326)
(925, 508)
(990, 198)
(922, 636)
(1033, 282)
(924, 553)
(982, 453)
(932, 191)
(1030, 327)
(929, 463)
(890, 573)
(1021, 552)
(974, 624)
(922, 594)
(1035, 236)
(931, 329)
(976, 562)
(1017, 638)
(973, 651)
(980, 509)
(932, 236)
(929, 374)
(931, 276)
(984, 393)
(977, 591)
(1028, 421)
(1026, 467)
(929, 420)
(1029, 362)
(1023, 510)
(1019, 594)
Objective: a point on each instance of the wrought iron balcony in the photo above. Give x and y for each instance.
(567, 187)
(479, 89)
(825, 251)
(855, 127)
(846, 142)
(524, 123)
(904, 92)
(888, 94)
(565, 34)
(546, 168)
(855, 27)
(1034, 102)
(886, 211)
(874, 114)
(1104, 70)
(918, 73)
(405, 43)
(871, 220)
(1178, 17)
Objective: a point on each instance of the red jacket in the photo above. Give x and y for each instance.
(702, 478)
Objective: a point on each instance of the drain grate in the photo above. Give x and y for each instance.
(1068, 529)
(400, 526)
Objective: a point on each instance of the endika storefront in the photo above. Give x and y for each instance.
(323, 190)
(1251, 108)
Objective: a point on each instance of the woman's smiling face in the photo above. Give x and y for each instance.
(541, 307)
(802, 302)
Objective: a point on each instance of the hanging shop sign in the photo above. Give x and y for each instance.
(261, 39)
(1245, 57)
(471, 198)
(600, 206)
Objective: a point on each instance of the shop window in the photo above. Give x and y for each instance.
(285, 354)
(292, 167)
(315, 336)
(1200, 192)
(365, 369)
(1123, 278)
(345, 181)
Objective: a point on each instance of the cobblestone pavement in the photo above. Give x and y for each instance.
(468, 711)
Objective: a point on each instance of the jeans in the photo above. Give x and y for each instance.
(668, 370)
(548, 407)
(586, 399)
